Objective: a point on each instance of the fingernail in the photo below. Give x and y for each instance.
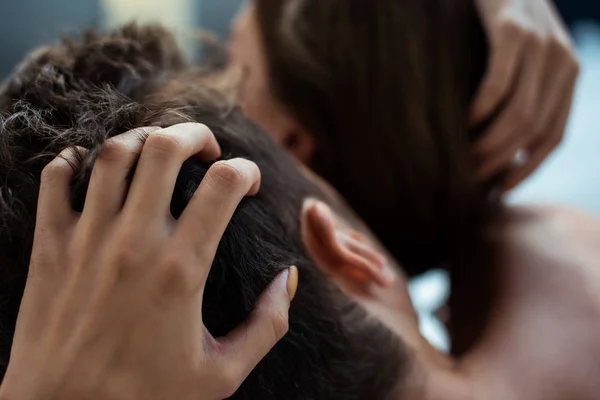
(292, 282)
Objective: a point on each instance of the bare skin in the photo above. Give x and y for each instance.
(530, 51)
(542, 342)
(519, 32)
(111, 307)
(541, 339)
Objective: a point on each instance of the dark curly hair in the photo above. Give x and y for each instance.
(85, 90)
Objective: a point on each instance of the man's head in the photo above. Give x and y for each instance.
(82, 92)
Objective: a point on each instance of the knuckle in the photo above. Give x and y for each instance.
(126, 252)
(491, 93)
(561, 56)
(512, 30)
(114, 150)
(125, 256)
(162, 144)
(225, 176)
(536, 42)
(495, 87)
(174, 273)
(564, 54)
(142, 133)
(495, 91)
(524, 119)
(56, 170)
(557, 48)
(485, 147)
(199, 127)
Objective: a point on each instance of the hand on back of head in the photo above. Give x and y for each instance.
(112, 304)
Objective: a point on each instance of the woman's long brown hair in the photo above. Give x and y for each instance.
(385, 88)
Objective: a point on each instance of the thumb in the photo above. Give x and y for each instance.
(249, 343)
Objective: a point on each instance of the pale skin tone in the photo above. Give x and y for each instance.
(111, 306)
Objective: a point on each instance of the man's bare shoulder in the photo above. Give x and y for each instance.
(549, 300)
(559, 234)
(554, 219)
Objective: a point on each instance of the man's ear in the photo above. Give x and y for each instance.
(344, 255)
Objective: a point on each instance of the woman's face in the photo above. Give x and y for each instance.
(246, 52)
(256, 99)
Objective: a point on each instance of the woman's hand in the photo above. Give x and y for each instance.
(112, 307)
(528, 88)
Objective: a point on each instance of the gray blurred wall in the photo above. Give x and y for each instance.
(26, 24)
(216, 15)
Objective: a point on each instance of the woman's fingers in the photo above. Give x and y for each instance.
(501, 75)
(108, 184)
(241, 351)
(118, 281)
(54, 202)
(513, 130)
(555, 105)
(559, 84)
(55, 217)
(545, 145)
(163, 154)
(531, 53)
(208, 213)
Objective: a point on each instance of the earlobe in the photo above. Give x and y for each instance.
(344, 255)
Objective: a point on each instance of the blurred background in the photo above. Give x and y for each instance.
(570, 176)
(28, 23)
